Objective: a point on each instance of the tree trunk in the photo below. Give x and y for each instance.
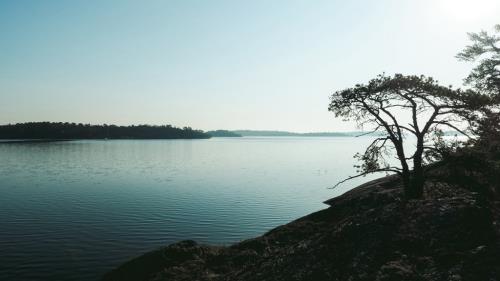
(416, 186)
(406, 182)
(405, 173)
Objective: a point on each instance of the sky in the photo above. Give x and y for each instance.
(267, 65)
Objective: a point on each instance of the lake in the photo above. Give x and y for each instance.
(74, 210)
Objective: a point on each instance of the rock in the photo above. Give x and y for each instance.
(395, 270)
(369, 233)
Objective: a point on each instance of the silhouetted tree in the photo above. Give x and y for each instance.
(485, 77)
(485, 50)
(400, 106)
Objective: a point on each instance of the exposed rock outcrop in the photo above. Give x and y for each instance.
(369, 233)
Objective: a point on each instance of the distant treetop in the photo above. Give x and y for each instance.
(60, 130)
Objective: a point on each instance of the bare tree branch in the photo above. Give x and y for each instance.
(429, 105)
(453, 127)
(394, 170)
(370, 132)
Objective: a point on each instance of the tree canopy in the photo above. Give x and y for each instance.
(401, 106)
(485, 51)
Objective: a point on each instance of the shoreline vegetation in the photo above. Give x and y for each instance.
(32, 132)
(28, 141)
(52, 131)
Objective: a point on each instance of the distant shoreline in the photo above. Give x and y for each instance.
(29, 141)
(32, 141)
(264, 133)
(64, 131)
(72, 131)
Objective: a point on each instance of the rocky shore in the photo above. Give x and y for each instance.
(369, 233)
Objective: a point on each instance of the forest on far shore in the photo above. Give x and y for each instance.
(60, 130)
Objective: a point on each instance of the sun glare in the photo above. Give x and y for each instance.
(467, 10)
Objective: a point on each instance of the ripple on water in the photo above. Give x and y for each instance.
(74, 210)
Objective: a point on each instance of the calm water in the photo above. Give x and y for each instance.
(74, 210)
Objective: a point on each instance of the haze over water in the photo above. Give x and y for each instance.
(73, 210)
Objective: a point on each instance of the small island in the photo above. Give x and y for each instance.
(73, 131)
(223, 134)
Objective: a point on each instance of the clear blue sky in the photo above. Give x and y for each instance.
(220, 64)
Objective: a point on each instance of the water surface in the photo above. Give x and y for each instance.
(74, 210)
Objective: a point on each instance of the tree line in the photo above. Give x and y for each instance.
(65, 130)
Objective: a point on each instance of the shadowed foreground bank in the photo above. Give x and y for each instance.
(369, 233)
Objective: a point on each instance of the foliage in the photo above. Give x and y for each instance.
(53, 130)
(479, 160)
(477, 164)
(485, 50)
(402, 106)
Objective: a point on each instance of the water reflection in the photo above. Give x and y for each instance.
(73, 210)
